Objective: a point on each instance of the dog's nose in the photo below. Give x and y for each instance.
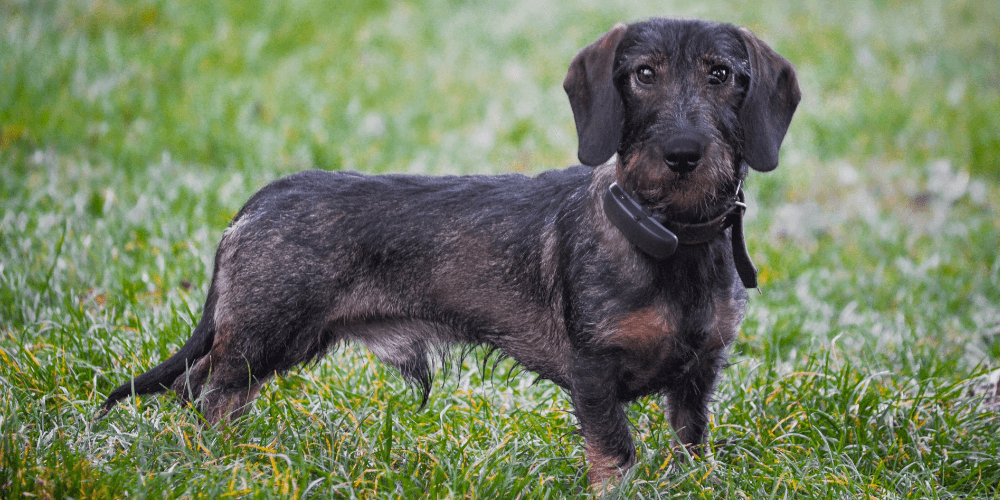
(683, 153)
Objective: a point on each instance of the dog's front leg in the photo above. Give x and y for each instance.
(687, 400)
(610, 450)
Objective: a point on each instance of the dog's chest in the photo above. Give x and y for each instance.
(663, 342)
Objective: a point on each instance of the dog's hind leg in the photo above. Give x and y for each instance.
(248, 349)
(222, 383)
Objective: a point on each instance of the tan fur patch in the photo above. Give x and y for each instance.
(604, 473)
(640, 330)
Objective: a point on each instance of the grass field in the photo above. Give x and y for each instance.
(132, 131)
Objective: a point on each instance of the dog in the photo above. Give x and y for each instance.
(615, 280)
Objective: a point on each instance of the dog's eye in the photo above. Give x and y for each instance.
(718, 74)
(645, 75)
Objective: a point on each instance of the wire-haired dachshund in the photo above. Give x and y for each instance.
(615, 280)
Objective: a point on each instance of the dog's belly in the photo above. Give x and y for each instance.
(533, 337)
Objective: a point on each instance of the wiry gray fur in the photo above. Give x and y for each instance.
(530, 267)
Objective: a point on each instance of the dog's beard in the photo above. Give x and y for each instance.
(690, 197)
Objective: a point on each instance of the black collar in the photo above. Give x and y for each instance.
(658, 237)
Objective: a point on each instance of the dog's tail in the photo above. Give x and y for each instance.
(159, 378)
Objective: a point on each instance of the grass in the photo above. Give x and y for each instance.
(131, 132)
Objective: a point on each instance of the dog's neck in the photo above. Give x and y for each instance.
(659, 237)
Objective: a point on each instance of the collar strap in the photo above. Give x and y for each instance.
(658, 237)
(703, 232)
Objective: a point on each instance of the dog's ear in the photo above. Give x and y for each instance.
(769, 104)
(597, 107)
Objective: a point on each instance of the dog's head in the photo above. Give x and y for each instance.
(685, 104)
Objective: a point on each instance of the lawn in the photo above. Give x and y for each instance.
(132, 131)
